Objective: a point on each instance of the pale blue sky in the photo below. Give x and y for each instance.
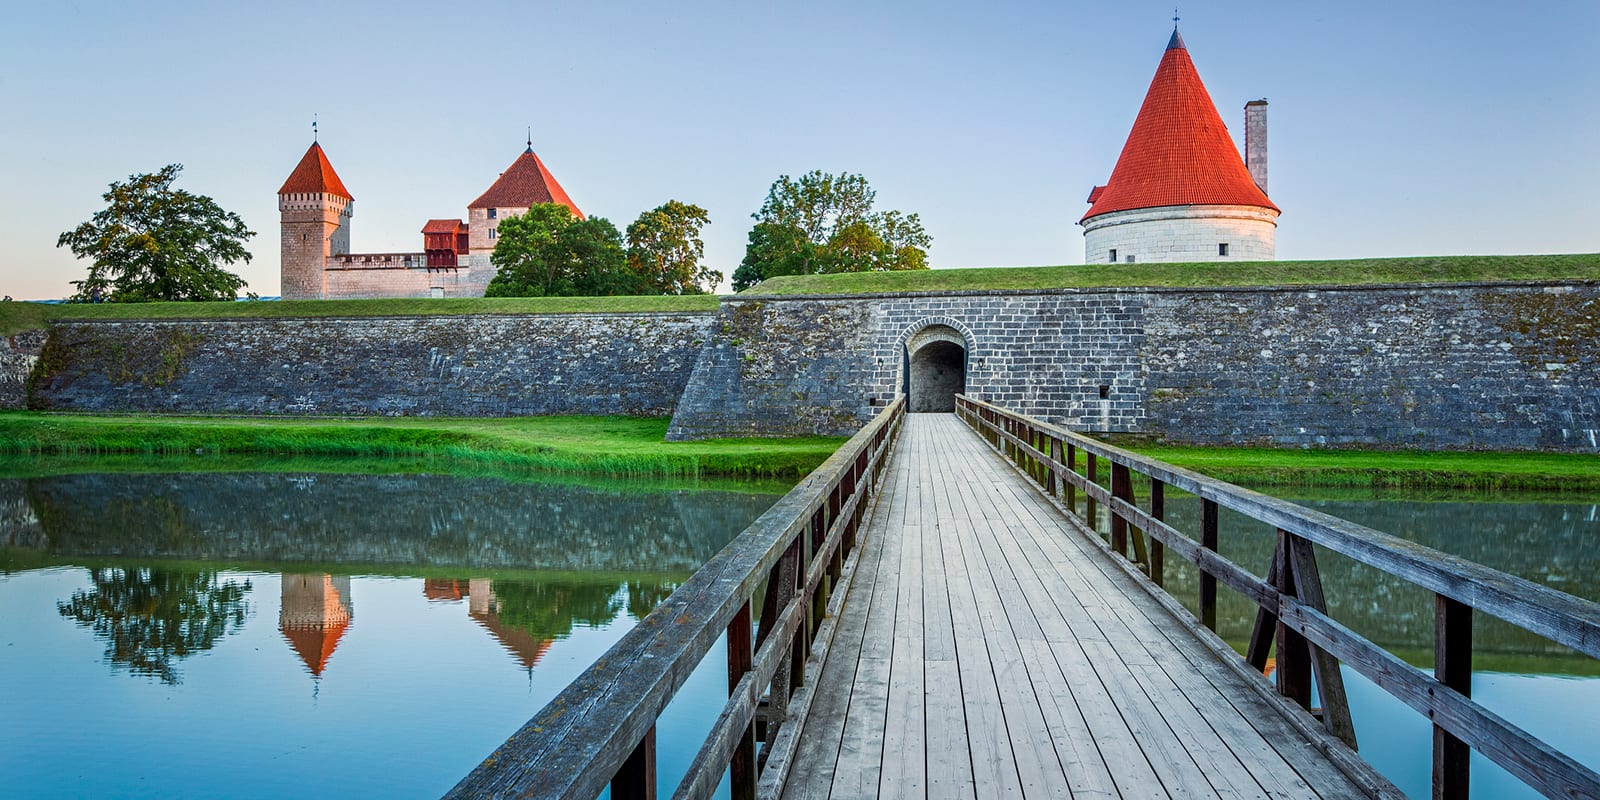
(1396, 128)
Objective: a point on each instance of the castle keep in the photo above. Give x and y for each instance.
(1180, 191)
(315, 210)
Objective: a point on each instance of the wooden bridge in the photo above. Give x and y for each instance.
(930, 614)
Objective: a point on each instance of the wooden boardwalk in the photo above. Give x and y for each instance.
(988, 647)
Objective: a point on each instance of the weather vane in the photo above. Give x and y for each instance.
(1174, 16)
(313, 128)
(530, 137)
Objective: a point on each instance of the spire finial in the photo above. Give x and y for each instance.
(1174, 17)
(313, 128)
(530, 139)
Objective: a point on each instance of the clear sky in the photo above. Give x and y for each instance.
(1396, 128)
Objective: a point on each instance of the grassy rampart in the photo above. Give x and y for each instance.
(1422, 270)
(16, 316)
(582, 445)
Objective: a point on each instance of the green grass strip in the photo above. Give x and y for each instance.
(589, 445)
(17, 316)
(1542, 472)
(1422, 270)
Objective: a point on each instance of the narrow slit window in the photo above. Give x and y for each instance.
(1222, 249)
(1113, 255)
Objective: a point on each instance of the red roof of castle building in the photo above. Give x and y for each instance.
(525, 183)
(443, 226)
(315, 175)
(1179, 153)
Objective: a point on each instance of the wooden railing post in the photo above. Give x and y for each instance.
(1072, 488)
(1158, 551)
(742, 769)
(1208, 582)
(1452, 666)
(1330, 681)
(1055, 480)
(636, 780)
(1294, 663)
(1090, 505)
(1121, 489)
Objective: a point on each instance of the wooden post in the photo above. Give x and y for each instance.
(1208, 582)
(1091, 508)
(1266, 627)
(1294, 662)
(1072, 488)
(1452, 665)
(1055, 480)
(742, 769)
(636, 780)
(1122, 489)
(1158, 551)
(1330, 681)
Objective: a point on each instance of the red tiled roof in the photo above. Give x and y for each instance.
(1179, 153)
(525, 183)
(442, 226)
(314, 174)
(315, 645)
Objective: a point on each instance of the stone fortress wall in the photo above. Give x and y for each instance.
(1472, 366)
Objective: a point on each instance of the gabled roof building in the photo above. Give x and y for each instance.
(314, 222)
(1180, 190)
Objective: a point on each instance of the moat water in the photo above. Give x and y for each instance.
(280, 634)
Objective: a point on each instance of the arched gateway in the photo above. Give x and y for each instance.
(936, 368)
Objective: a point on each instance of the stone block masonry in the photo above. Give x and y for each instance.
(18, 353)
(1482, 366)
(478, 366)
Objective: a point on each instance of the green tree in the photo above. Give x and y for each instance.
(664, 250)
(547, 252)
(153, 242)
(824, 223)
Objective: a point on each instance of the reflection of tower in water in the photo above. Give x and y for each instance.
(314, 615)
(482, 606)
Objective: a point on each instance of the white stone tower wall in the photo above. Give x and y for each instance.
(1180, 234)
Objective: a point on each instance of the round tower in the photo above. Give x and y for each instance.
(314, 223)
(1180, 190)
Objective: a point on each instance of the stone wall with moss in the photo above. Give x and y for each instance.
(477, 366)
(1495, 367)
(18, 353)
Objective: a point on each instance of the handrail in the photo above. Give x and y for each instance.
(601, 729)
(1293, 610)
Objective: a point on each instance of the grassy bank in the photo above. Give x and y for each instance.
(590, 445)
(16, 317)
(1544, 472)
(1440, 269)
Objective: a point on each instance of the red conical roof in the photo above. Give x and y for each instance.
(1179, 153)
(525, 183)
(313, 175)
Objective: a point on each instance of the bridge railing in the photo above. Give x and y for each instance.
(1292, 608)
(601, 729)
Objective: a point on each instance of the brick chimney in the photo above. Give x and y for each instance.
(1255, 141)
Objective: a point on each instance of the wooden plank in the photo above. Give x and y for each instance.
(902, 767)
(819, 742)
(1452, 666)
(1262, 759)
(1330, 680)
(949, 759)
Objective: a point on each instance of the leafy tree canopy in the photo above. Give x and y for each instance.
(823, 223)
(664, 250)
(547, 252)
(153, 242)
(150, 619)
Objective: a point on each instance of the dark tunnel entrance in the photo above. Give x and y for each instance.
(938, 372)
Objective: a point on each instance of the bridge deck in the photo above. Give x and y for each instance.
(988, 648)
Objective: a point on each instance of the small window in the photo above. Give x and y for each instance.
(1130, 259)
(491, 233)
(1105, 392)
(1113, 255)
(492, 213)
(1222, 249)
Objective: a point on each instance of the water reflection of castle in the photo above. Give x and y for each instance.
(316, 611)
(484, 609)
